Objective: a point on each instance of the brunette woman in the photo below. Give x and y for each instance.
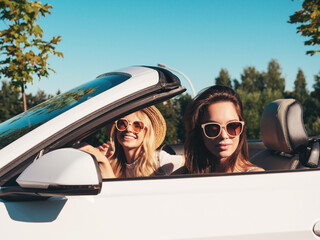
(216, 133)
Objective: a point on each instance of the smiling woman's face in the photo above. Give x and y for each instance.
(222, 146)
(128, 138)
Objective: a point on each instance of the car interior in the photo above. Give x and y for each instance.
(288, 145)
(285, 144)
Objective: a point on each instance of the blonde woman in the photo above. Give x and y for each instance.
(135, 139)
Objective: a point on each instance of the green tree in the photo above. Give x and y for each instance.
(252, 112)
(98, 138)
(168, 112)
(273, 78)
(41, 96)
(315, 128)
(253, 105)
(252, 80)
(223, 78)
(309, 19)
(267, 96)
(316, 86)
(313, 109)
(236, 84)
(300, 87)
(23, 51)
(180, 104)
(9, 99)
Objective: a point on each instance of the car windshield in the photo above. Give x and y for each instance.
(23, 123)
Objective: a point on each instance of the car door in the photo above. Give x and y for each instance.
(277, 205)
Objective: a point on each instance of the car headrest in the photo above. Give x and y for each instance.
(282, 128)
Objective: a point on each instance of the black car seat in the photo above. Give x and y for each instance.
(284, 135)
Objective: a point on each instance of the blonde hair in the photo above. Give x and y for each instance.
(147, 163)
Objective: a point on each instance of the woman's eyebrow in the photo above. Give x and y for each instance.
(232, 120)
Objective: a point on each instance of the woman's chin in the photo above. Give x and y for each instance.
(223, 154)
(130, 144)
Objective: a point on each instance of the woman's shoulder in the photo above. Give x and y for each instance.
(254, 169)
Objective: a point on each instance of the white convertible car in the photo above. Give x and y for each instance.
(51, 190)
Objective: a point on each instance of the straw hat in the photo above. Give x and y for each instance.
(158, 124)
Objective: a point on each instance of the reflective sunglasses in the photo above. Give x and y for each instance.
(213, 129)
(122, 124)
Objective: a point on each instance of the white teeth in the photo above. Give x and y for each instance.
(129, 137)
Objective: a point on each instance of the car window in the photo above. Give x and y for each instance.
(23, 123)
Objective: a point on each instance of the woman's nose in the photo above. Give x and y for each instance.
(129, 128)
(224, 133)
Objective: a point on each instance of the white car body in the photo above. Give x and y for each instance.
(242, 206)
(273, 206)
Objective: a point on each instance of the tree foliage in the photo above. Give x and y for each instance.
(252, 80)
(316, 93)
(309, 19)
(173, 112)
(313, 108)
(23, 51)
(273, 77)
(180, 104)
(252, 111)
(300, 87)
(10, 98)
(257, 89)
(167, 110)
(223, 78)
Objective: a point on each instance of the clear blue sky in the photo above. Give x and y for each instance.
(197, 37)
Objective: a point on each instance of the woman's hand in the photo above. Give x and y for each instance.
(104, 165)
(106, 149)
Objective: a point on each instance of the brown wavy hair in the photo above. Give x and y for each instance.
(198, 158)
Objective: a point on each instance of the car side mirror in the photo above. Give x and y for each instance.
(66, 171)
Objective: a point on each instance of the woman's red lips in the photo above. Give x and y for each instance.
(223, 146)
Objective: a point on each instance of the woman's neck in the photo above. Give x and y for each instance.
(132, 154)
(224, 165)
(221, 165)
